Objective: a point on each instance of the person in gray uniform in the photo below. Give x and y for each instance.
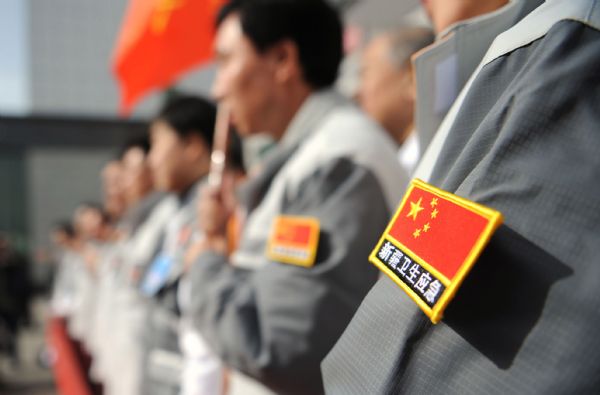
(276, 306)
(122, 262)
(464, 31)
(181, 143)
(387, 91)
(522, 139)
(138, 187)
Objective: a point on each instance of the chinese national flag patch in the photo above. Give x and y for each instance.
(294, 240)
(431, 243)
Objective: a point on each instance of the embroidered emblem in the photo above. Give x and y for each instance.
(294, 240)
(431, 243)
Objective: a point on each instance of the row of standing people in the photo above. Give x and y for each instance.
(132, 303)
(263, 281)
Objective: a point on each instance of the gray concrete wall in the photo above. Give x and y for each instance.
(72, 43)
(57, 179)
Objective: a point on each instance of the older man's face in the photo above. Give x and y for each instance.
(386, 90)
(244, 80)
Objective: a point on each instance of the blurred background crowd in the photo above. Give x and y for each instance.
(191, 192)
(74, 170)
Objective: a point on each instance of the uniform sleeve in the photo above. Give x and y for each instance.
(278, 322)
(532, 154)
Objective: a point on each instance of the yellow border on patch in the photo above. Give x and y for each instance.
(313, 241)
(494, 220)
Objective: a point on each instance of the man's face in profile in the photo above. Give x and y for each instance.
(244, 80)
(137, 177)
(166, 156)
(386, 91)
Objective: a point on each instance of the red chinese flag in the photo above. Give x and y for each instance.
(431, 244)
(439, 231)
(159, 41)
(293, 233)
(294, 240)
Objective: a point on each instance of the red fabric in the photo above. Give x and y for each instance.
(290, 232)
(449, 237)
(159, 41)
(68, 373)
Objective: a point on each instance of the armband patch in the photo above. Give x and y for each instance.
(294, 240)
(431, 243)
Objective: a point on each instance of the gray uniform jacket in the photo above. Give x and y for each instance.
(277, 321)
(160, 337)
(524, 141)
(442, 70)
(138, 214)
(127, 307)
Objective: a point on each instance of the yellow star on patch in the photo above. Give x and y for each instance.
(426, 227)
(414, 209)
(434, 213)
(417, 233)
(434, 202)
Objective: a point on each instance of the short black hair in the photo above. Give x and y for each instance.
(190, 115)
(313, 25)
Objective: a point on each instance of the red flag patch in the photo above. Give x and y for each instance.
(294, 240)
(432, 242)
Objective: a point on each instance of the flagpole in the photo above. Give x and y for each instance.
(218, 157)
